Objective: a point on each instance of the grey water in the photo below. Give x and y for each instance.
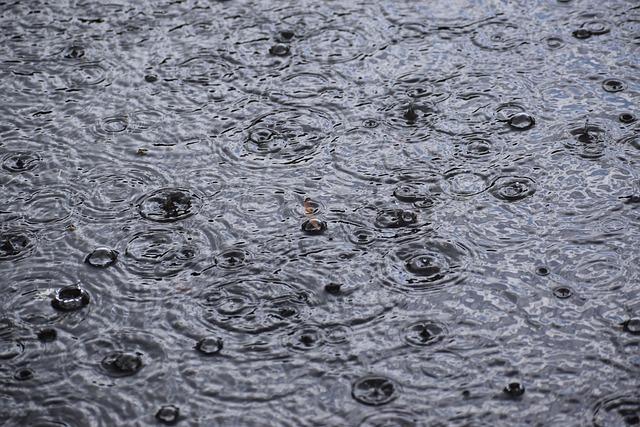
(320, 213)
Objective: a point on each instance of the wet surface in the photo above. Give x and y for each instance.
(236, 213)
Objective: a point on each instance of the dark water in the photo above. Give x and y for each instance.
(394, 213)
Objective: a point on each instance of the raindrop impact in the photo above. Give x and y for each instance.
(209, 345)
(514, 389)
(521, 121)
(70, 298)
(423, 333)
(122, 364)
(314, 226)
(168, 414)
(374, 390)
(102, 258)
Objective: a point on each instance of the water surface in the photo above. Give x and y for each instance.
(294, 213)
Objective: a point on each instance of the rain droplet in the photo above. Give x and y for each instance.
(14, 244)
(363, 236)
(627, 118)
(514, 389)
(74, 52)
(562, 292)
(512, 189)
(374, 390)
(169, 204)
(395, 218)
(423, 333)
(542, 271)
(426, 266)
(120, 364)
(582, 33)
(20, 162)
(410, 115)
(232, 258)
(614, 85)
(279, 50)
(314, 226)
(632, 326)
(70, 298)
(23, 374)
(410, 193)
(209, 345)
(332, 288)
(47, 335)
(168, 414)
(286, 35)
(521, 121)
(102, 258)
(305, 338)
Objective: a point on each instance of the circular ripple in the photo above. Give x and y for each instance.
(209, 346)
(303, 85)
(50, 206)
(21, 161)
(626, 118)
(375, 390)
(392, 418)
(630, 144)
(479, 148)
(16, 244)
(618, 410)
(254, 306)
(554, 42)
(588, 141)
(86, 75)
(170, 204)
(362, 236)
(123, 355)
(498, 36)
(426, 267)
(351, 155)
(596, 27)
(591, 267)
(412, 192)
(164, 252)
(237, 383)
(335, 45)
(614, 85)
(233, 258)
(395, 218)
(111, 194)
(39, 301)
(424, 332)
(112, 125)
(305, 338)
(10, 349)
(513, 188)
(287, 137)
(206, 70)
(465, 183)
